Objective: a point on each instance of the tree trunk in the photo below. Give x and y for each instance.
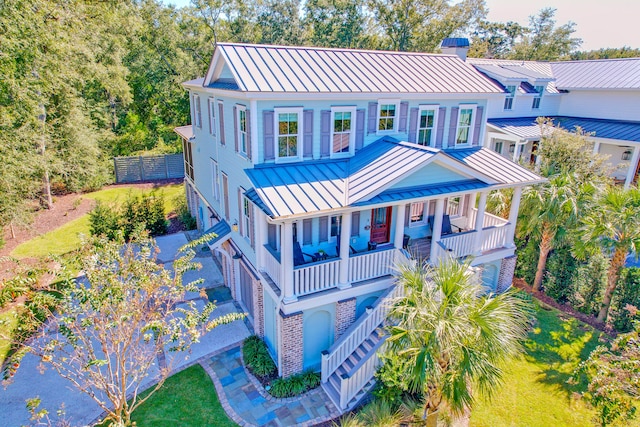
(13, 231)
(46, 184)
(617, 262)
(545, 248)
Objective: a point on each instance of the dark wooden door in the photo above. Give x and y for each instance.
(380, 225)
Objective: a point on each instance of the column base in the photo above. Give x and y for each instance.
(344, 285)
(288, 300)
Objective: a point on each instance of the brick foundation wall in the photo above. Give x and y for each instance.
(258, 307)
(291, 335)
(345, 315)
(507, 269)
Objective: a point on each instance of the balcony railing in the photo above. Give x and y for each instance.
(372, 264)
(460, 244)
(316, 277)
(272, 265)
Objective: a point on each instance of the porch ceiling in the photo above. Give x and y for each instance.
(284, 190)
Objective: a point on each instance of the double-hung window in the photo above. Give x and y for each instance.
(536, 100)
(426, 125)
(497, 147)
(198, 115)
(246, 217)
(464, 132)
(215, 180)
(242, 129)
(508, 100)
(388, 111)
(289, 133)
(417, 214)
(212, 115)
(343, 135)
(334, 226)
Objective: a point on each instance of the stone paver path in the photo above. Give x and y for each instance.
(248, 405)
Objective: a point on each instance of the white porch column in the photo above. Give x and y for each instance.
(345, 240)
(482, 207)
(516, 151)
(513, 216)
(633, 166)
(437, 231)
(399, 236)
(469, 213)
(596, 147)
(286, 262)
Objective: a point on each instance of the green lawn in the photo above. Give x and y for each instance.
(67, 237)
(535, 390)
(186, 399)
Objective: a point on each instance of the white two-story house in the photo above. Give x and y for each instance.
(321, 169)
(602, 97)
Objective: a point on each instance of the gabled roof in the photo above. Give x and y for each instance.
(222, 232)
(184, 131)
(532, 71)
(293, 69)
(283, 190)
(598, 74)
(528, 128)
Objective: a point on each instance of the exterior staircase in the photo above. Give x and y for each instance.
(348, 367)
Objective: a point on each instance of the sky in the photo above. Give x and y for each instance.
(599, 23)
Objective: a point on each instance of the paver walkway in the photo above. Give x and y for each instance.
(248, 405)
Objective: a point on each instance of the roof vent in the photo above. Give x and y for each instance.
(456, 46)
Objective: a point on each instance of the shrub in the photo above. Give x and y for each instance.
(183, 213)
(526, 263)
(104, 220)
(295, 384)
(257, 359)
(561, 270)
(589, 285)
(628, 294)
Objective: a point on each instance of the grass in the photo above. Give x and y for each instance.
(66, 238)
(535, 390)
(187, 399)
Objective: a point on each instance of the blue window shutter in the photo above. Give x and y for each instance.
(355, 224)
(360, 118)
(306, 232)
(413, 124)
(307, 136)
(407, 212)
(235, 126)
(272, 239)
(453, 125)
(248, 122)
(404, 109)
(478, 126)
(325, 133)
(372, 126)
(442, 112)
(268, 143)
(324, 229)
(223, 141)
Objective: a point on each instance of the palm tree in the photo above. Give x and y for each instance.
(448, 339)
(548, 210)
(611, 225)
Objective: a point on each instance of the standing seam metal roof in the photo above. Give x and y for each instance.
(283, 190)
(598, 74)
(267, 68)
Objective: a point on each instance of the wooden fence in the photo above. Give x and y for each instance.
(148, 168)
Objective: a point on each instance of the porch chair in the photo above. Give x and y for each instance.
(351, 250)
(298, 255)
(446, 224)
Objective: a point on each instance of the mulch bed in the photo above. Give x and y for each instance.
(565, 308)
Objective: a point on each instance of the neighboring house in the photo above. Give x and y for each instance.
(601, 96)
(321, 169)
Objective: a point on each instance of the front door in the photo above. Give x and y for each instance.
(380, 225)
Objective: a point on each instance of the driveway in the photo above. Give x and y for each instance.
(32, 380)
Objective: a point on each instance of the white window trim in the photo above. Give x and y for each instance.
(396, 118)
(246, 218)
(425, 212)
(211, 104)
(352, 134)
(495, 146)
(300, 148)
(239, 108)
(510, 95)
(215, 172)
(471, 124)
(430, 107)
(220, 123)
(198, 110)
(538, 95)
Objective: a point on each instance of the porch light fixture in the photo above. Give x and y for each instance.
(626, 155)
(234, 227)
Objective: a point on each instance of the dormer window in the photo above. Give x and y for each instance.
(426, 125)
(388, 116)
(536, 100)
(508, 101)
(289, 133)
(464, 132)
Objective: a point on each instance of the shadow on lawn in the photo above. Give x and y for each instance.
(557, 344)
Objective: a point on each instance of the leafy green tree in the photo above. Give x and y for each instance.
(334, 23)
(447, 339)
(607, 53)
(614, 379)
(611, 226)
(589, 284)
(543, 41)
(422, 25)
(562, 267)
(110, 331)
(495, 39)
(627, 300)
